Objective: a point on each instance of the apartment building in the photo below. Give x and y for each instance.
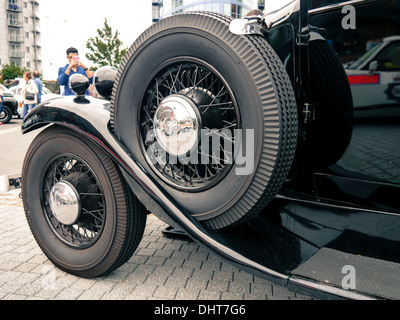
(20, 38)
(234, 8)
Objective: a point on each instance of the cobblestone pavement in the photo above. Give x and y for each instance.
(162, 268)
(374, 152)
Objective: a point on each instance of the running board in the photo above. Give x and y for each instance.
(357, 275)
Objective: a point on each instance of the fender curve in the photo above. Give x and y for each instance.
(92, 121)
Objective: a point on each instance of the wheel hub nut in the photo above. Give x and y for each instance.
(177, 125)
(64, 202)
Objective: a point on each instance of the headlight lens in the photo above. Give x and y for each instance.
(104, 81)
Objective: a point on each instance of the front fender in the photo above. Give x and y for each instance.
(66, 112)
(91, 120)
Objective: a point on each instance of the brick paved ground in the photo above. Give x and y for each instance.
(162, 268)
(374, 152)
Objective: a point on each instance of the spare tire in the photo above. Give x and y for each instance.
(328, 134)
(188, 78)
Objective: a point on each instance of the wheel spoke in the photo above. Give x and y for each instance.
(218, 110)
(92, 217)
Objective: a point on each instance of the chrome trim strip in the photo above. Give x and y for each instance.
(337, 5)
(321, 203)
(319, 287)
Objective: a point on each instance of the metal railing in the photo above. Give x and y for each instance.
(17, 54)
(15, 38)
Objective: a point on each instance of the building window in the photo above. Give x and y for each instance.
(176, 3)
(13, 19)
(13, 5)
(234, 8)
(17, 62)
(14, 35)
(16, 51)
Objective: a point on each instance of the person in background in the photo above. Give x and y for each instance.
(1, 99)
(39, 85)
(74, 65)
(29, 89)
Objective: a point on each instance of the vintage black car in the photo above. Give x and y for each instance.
(272, 140)
(10, 105)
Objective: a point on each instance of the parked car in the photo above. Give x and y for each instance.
(10, 106)
(239, 133)
(375, 79)
(17, 92)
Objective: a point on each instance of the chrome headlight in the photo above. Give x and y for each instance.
(79, 84)
(104, 81)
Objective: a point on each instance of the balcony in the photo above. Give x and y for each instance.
(15, 38)
(36, 26)
(14, 23)
(14, 7)
(36, 13)
(17, 54)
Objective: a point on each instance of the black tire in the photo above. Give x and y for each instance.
(6, 115)
(328, 135)
(258, 91)
(111, 220)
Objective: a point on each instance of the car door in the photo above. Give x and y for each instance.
(368, 173)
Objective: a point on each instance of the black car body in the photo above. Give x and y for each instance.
(334, 219)
(10, 108)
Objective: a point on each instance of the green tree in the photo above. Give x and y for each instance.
(12, 71)
(106, 48)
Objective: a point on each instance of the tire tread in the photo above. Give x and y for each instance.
(280, 123)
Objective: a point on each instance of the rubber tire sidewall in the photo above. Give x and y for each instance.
(8, 114)
(181, 42)
(62, 255)
(329, 135)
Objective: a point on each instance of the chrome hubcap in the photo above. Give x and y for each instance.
(177, 125)
(64, 203)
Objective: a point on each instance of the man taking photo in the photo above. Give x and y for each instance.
(74, 66)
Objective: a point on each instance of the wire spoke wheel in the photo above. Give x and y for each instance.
(210, 115)
(209, 157)
(86, 226)
(80, 210)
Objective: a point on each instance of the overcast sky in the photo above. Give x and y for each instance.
(67, 24)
